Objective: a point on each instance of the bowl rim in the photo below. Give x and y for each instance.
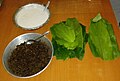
(24, 6)
(35, 73)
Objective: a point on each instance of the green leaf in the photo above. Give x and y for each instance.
(97, 18)
(63, 32)
(73, 23)
(62, 53)
(68, 45)
(63, 48)
(68, 33)
(59, 51)
(93, 48)
(102, 40)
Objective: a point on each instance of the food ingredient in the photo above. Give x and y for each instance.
(29, 59)
(32, 16)
(102, 40)
(69, 38)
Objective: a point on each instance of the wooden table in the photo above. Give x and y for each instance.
(90, 68)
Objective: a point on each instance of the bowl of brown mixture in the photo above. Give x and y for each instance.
(24, 60)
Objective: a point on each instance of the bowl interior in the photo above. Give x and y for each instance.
(17, 41)
(31, 16)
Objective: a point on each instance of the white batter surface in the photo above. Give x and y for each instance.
(32, 16)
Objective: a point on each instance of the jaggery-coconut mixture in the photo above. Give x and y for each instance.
(28, 59)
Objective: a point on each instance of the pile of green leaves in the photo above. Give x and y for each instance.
(102, 40)
(69, 39)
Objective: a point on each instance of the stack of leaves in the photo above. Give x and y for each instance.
(69, 39)
(102, 40)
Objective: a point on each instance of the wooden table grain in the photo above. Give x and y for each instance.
(90, 68)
